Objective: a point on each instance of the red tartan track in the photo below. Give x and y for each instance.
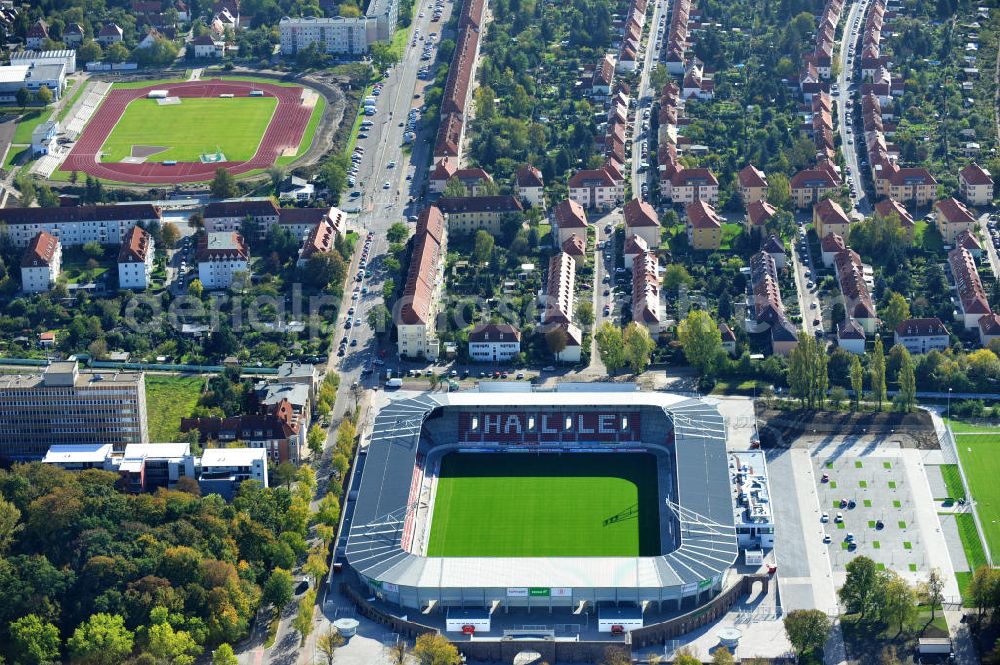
(285, 130)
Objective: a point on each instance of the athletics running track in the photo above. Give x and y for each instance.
(287, 126)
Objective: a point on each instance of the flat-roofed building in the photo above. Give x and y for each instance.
(145, 467)
(223, 469)
(79, 457)
(66, 406)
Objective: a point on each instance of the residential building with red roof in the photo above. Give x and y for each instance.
(972, 301)
(951, 217)
(135, 260)
(829, 217)
(530, 186)
(601, 189)
(851, 336)
(634, 246)
(641, 219)
(221, 256)
(569, 218)
(647, 305)
(575, 246)
(853, 280)
(41, 263)
(472, 213)
(494, 342)
(416, 313)
(810, 185)
(320, 240)
(831, 245)
(37, 34)
(759, 214)
(913, 185)
(753, 184)
(695, 184)
(922, 335)
(976, 185)
(275, 429)
(703, 226)
(989, 328)
(887, 207)
(559, 298)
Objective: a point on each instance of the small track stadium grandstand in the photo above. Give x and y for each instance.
(572, 498)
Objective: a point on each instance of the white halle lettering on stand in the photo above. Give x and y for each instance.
(606, 423)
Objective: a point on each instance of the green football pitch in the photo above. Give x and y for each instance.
(980, 457)
(187, 130)
(525, 505)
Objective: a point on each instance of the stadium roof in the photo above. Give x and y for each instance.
(707, 531)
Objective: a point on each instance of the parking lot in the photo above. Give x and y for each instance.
(869, 510)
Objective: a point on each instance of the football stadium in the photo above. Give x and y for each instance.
(577, 499)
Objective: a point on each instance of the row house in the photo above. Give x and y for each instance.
(647, 305)
(301, 221)
(78, 225)
(558, 305)
(703, 226)
(696, 83)
(776, 248)
(135, 260)
(602, 79)
(853, 281)
(600, 189)
(475, 181)
(416, 313)
(575, 246)
(913, 185)
(766, 312)
(871, 44)
(951, 218)
(472, 213)
(677, 42)
(819, 62)
(972, 301)
(458, 86)
(41, 263)
(628, 54)
(922, 335)
(969, 241)
(976, 185)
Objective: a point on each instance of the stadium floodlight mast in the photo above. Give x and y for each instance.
(704, 525)
(388, 526)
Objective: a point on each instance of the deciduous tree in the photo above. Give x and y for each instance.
(102, 639)
(328, 643)
(898, 604)
(435, 649)
(224, 184)
(807, 630)
(278, 589)
(224, 655)
(34, 641)
(638, 346)
(876, 369)
(611, 346)
(700, 339)
(862, 587)
(857, 382)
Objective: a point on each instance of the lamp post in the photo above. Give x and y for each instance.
(949, 407)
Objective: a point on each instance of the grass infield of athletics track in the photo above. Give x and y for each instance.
(547, 505)
(194, 127)
(980, 457)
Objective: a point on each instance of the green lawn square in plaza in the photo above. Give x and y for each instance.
(525, 505)
(188, 130)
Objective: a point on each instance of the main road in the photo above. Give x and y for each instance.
(845, 102)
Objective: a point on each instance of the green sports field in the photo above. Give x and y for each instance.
(524, 505)
(980, 457)
(194, 127)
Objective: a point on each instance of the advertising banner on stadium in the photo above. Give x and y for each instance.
(562, 592)
(539, 592)
(546, 427)
(517, 592)
(390, 587)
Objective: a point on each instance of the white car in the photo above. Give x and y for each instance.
(825, 517)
